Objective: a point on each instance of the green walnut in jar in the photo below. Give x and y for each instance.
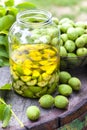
(34, 54)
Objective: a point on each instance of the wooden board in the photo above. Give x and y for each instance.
(50, 119)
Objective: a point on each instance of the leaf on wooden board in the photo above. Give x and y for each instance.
(2, 108)
(6, 116)
(5, 113)
(6, 87)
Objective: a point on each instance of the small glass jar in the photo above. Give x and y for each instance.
(34, 54)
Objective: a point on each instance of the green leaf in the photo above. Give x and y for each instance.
(5, 43)
(2, 11)
(2, 101)
(6, 87)
(12, 11)
(9, 2)
(7, 113)
(1, 62)
(5, 62)
(25, 5)
(2, 40)
(2, 108)
(77, 123)
(6, 22)
(3, 53)
(7, 116)
(5, 32)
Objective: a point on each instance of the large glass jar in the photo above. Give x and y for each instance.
(34, 54)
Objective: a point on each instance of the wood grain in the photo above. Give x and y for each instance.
(50, 119)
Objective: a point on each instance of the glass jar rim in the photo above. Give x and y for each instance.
(27, 13)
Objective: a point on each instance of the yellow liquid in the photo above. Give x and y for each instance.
(34, 65)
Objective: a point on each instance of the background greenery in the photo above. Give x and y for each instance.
(55, 2)
(74, 9)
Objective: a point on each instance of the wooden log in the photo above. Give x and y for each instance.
(50, 119)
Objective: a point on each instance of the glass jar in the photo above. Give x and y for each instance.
(34, 54)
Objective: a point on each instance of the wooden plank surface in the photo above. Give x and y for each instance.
(50, 119)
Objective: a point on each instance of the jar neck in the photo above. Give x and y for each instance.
(34, 18)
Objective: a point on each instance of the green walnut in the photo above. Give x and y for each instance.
(65, 89)
(70, 46)
(72, 33)
(63, 51)
(46, 101)
(33, 112)
(80, 42)
(75, 83)
(81, 51)
(64, 76)
(80, 31)
(65, 26)
(64, 37)
(61, 102)
(80, 24)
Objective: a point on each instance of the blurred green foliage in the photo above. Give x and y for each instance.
(41, 3)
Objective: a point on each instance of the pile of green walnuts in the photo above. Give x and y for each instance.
(73, 42)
